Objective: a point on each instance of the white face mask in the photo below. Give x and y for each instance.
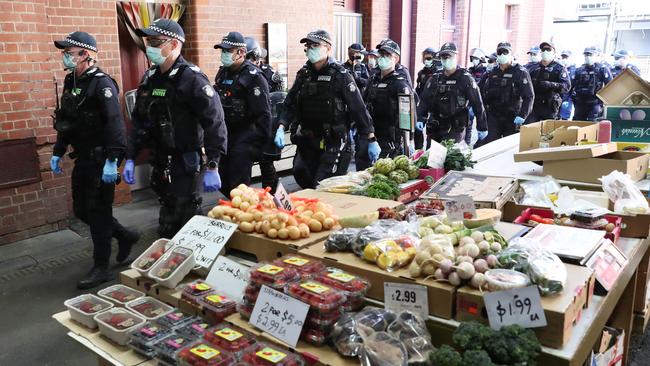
(476, 61)
(490, 67)
(372, 63)
(449, 64)
(548, 55)
(535, 58)
(589, 60)
(504, 59)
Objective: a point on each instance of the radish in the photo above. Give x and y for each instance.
(466, 240)
(465, 270)
(454, 279)
(435, 249)
(464, 258)
(484, 246)
(492, 261)
(446, 266)
(481, 265)
(495, 247)
(428, 268)
(439, 275)
(471, 250)
(477, 236)
(421, 257)
(478, 281)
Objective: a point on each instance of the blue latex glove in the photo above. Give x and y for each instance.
(411, 150)
(279, 137)
(482, 135)
(129, 172)
(565, 104)
(419, 126)
(211, 180)
(519, 121)
(54, 164)
(109, 174)
(373, 151)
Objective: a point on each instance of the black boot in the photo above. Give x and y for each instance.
(96, 276)
(125, 240)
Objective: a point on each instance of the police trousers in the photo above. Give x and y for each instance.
(390, 148)
(92, 203)
(441, 134)
(311, 164)
(361, 157)
(499, 125)
(542, 112)
(175, 184)
(235, 167)
(587, 111)
(269, 174)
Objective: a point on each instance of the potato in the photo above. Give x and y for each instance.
(276, 224)
(319, 216)
(272, 233)
(283, 233)
(258, 215)
(282, 216)
(292, 221)
(315, 225)
(304, 230)
(266, 226)
(235, 192)
(244, 206)
(245, 216)
(210, 215)
(258, 227)
(246, 227)
(226, 218)
(236, 201)
(294, 232)
(328, 223)
(308, 213)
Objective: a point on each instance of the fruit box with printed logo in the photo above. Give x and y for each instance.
(562, 311)
(627, 105)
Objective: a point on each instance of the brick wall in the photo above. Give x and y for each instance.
(426, 29)
(376, 18)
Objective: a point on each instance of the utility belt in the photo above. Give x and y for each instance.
(503, 110)
(459, 120)
(89, 154)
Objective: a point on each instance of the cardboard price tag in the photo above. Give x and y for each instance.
(281, 198)
(279, 315)
(229, 276)
(521, 306)
(460, 208)
(206, 237)
(399, 297)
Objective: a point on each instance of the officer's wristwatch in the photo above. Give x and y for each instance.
(212, 165)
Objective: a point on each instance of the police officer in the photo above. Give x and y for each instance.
(257, 55)
(534, 57)
(382, 99)
(508, 95)
(567, 104)
(89, 118)
(372, 55)
(244, 95)
(399, 68)
(322, 99)
(447, 97)
(424, 74)
(550, 81)
(477, 58)
(356, 67)
(587, 81)
(622, 62)
(175, 106)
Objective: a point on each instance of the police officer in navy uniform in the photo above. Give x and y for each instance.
(507, 94)
(272, 77)
(430, 68)
(447, 97)
(567, 104)
(177, 112)
(587, 81)
(373, 68)
(356, 67)
(244, 95)
(323, 98)
(89, 118)
(622, 62)
(534, 57)
(382, 99)
(399, 68)
(550, 80)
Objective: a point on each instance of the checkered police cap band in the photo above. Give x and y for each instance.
(80, 44)
(391, 49)
(234, 44)
(319, 36)
(166, 33)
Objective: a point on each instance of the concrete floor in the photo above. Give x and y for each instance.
(39, 274)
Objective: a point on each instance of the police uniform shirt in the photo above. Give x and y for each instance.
(516, 76)
(272, 78)
(467, 88)
(423, 76)
(383, 92)
(403, 72)
(617, 70)
(583, 78)
(360, 73)
(345, 88)
(195, 96)
(95, 92)
(556, 76)
(477, 72)
(249, 85)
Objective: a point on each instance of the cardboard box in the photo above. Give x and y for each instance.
(133, 279)
(441, 295)
(627, 89)
(530, 135)
(561, 311)
(629, 123)
(171, 296)
(610, 348)
(264, 248)
(633, 146)
(587, 163)
(487, 191)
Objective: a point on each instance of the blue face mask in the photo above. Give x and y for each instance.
(155, 56)
(428, 63)
(68, 61)
(449, 64)
(385, 63)
(226, 58)
(314, 54)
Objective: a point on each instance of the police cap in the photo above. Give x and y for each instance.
(78, 39)
(163, 27)
(390, 46)
(317, 36)
(231, 40)
(534, 50)
(504, 46)
(448, 48)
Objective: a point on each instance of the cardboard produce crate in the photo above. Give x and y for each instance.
(587, 163)
(264, 248)
(562, 311)
(440, 295)
(486, 191)
(530, 135)
(171, 296)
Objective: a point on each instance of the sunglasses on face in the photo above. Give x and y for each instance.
(503, 52)
(71, 54)
(156, 42)
(428, 58)
(312, 46)
(547, 49)
(446, 56)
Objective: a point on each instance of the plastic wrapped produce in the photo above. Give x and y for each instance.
(379, 230)
(392, 253)
(501, 279)
(149, 308)
(245, 309)
(217, 307)
(167, 349)
(83, 308)
(117, 324)
(196, 329)
(226, 337)
(346, 335)
(203, 354)
(419, 350)
(408, 325)
(314, 336)
(342, 240)
(143, 339)
(320, 298)
(273, 276)
(176, 319)
(306, 267)
(265, 354)
(194, 291)
(382, 349)
(120, 294)
(354, 287)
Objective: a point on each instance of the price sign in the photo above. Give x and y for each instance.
(460, 208)
(279, 314)
(521, 306)
(229, 276)
(400, 297)
(282, 199)
(206, 237)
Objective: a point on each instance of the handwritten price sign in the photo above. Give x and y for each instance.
(206, 237)
(280, 315)
(521, 306)
(460, 208)
(229, 276)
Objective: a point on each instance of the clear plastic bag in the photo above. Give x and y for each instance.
(346, 333)
(544, 268)
(419, 350)
(382, 349)
(382, 229)
(627, 197)
(342, 240)
(392, 253)
(351, 183)
(538, 193)
(408, 325)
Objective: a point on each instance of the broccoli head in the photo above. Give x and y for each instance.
(476, 358)
(446, 356)
(473, 336)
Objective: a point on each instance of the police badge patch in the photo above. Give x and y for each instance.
(108, 93)
(352, 87)
(257, 91)
(208, 90)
